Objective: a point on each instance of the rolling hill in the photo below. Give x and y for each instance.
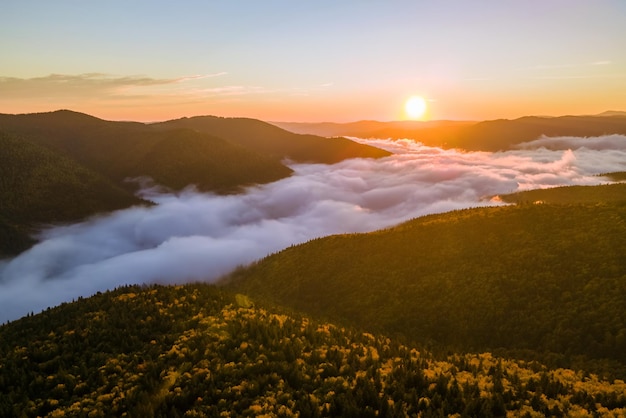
(197, 351)
(491, 135)
(271, 140)
(547, 278)
(128, 149)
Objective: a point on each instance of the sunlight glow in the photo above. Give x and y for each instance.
(415, 107)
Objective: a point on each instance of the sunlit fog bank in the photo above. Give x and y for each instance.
(197, 236)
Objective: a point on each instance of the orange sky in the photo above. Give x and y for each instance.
(322, 61)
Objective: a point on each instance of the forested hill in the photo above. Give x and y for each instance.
(543, 277)
(491, 135)
(63, 166)
(197, 351)
(128, 149)
(271, 140)
(41, 186)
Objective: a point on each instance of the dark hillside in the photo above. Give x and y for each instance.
(128, 149)
(183, 157)
(63, 166)
(271, 140)
(39, 186)
(549, 278)
(196, 351)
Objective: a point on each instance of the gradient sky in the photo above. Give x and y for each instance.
(313, 60)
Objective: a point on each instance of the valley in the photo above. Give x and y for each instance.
(368, 297)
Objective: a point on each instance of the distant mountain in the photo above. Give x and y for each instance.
(612, 113)
(270, 140)
(370, 128)
(39, 186)
(491, 135)
(197, 351)
(504, 134)
(547, 278)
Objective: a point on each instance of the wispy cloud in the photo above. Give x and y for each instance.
(578, 76)
(540, 67)
(232, 90)
(87, 85)
(200, 76)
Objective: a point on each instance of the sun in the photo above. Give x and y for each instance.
(415, 107)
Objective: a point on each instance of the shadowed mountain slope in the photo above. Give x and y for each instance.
(40, 186)
(550, 278)
(129, 149)
(271, 140)
(214, 154)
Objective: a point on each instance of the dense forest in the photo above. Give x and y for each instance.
(197, 351)
(40, 186)
(64, 166)
(547, 279)
(271, 140)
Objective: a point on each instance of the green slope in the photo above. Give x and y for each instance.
(546, 278)
(571, 194)
(196, 351)
(63, 166)
(271, 140)
(39, 186)
(126, 149)
(179, 158)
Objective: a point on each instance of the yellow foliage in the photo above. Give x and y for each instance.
(125, 297)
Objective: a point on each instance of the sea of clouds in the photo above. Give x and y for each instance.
(192, 236)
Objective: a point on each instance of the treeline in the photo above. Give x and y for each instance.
(196, 351)
(615, 192)
(547, 279)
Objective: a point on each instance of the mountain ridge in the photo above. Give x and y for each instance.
(490, 135)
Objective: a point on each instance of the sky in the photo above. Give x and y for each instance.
(191, 236)
(313, 61)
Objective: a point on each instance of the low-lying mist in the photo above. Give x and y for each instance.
(190, 236)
